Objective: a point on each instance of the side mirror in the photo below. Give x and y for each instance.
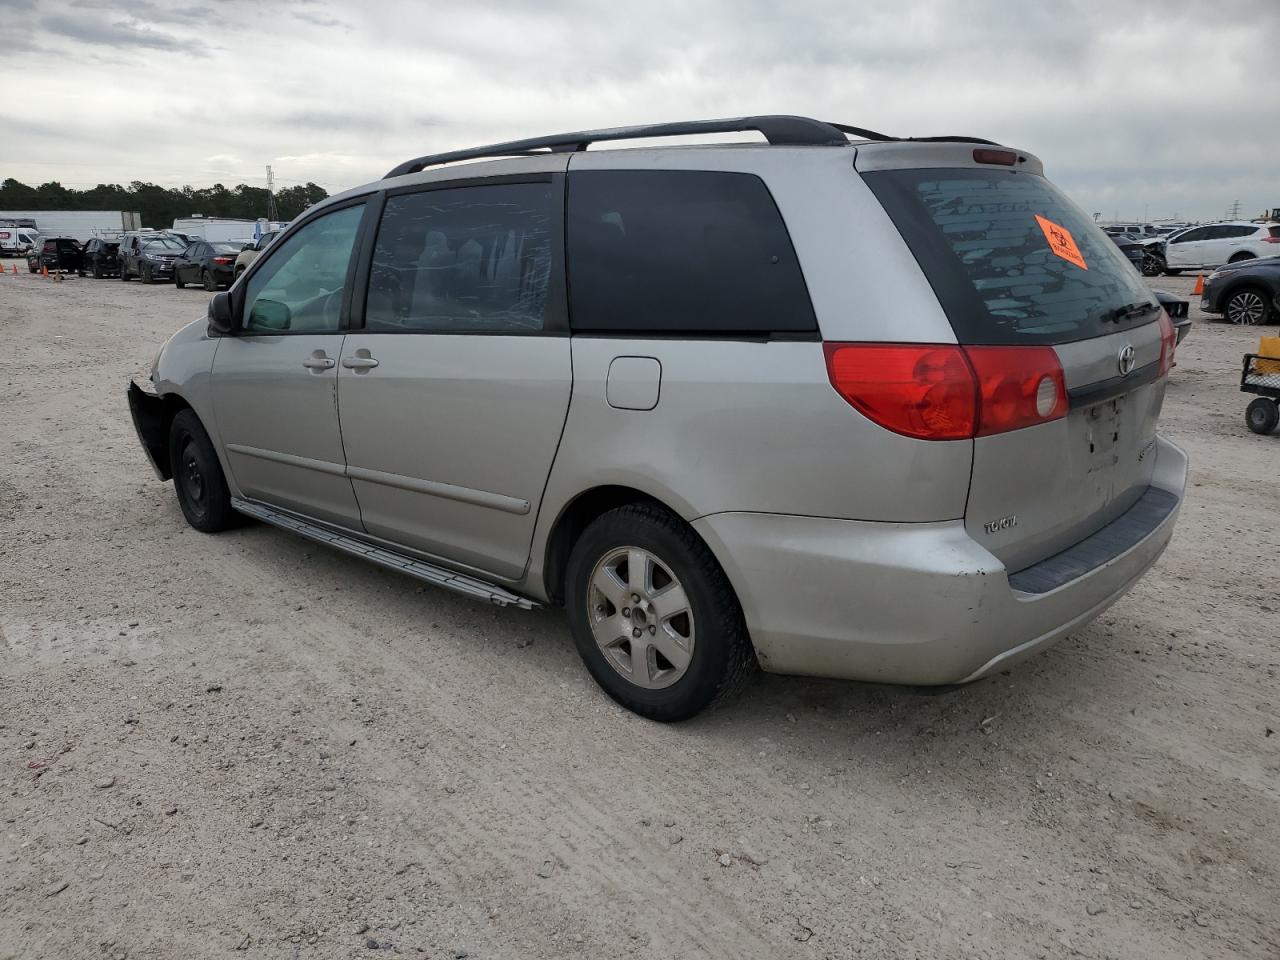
(221, 318)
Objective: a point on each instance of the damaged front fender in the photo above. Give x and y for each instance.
(151, 421)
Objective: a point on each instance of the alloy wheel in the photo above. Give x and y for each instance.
(640, 617)
(1246, 307)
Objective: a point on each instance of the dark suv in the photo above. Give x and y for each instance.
(55, 253)
(148, 256)
(101, 258)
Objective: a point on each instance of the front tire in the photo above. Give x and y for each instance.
(1152, 266)
(1176, 271)
(653, 615)
(146, 275)
(177, 279)
(197, 476)
(1249, 306)
(1262, 415)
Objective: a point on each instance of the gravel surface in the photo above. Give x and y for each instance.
(248, 745)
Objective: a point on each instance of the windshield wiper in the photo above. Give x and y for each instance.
(1130, 310)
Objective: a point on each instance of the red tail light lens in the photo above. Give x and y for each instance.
(1168, 343)
(919, 390)
(1017, 386)
(1005, 158)
(224, 260)
(948, 392)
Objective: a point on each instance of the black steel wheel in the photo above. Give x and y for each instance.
(197, 476)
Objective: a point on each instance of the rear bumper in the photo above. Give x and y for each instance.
(917, 603)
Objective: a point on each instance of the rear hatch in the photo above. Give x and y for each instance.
(1014, 263)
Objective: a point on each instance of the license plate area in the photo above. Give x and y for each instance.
(1103, 433)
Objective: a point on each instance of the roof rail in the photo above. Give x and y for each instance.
(778, 130)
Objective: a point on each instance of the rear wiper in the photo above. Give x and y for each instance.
(1130, 310)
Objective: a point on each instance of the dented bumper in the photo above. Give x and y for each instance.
(152, 426)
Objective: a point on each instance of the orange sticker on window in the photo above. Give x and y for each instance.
(1061, 242)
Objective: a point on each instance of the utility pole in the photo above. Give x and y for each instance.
(271, 196)
(1234, 214)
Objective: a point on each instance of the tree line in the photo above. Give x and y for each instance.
(160, 206)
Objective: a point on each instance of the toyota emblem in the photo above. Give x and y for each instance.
(1127, 359)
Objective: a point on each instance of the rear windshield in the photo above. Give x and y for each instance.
(227, 247)
(1012, 260)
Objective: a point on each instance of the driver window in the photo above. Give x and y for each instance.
(300, 287)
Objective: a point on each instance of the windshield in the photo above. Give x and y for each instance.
(162, 243)
(1011, 259)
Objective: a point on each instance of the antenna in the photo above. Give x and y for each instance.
(272, 216)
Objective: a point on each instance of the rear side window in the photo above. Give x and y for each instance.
(681, 252)
(1012, 260)
(464, 260)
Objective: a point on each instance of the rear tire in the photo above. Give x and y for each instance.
(1248, 306)
(1262, 415)
(680, 646)
(1241, 256)
(177, 279)
(97, 271)
(197, 476)
(210, 283)
(1172, 273)
(124, 270)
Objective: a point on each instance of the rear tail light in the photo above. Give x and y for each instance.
(949, 392)
(1168, 342)
(224, 260)
(1270, 239)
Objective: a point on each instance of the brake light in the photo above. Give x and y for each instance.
(1168, 343)
(948, 392)
(1270, 239)
(224, 260)
(1005, 158)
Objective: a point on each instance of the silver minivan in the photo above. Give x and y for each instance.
(835, 403)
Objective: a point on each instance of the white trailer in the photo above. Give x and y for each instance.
(82, 225)
(216, 229)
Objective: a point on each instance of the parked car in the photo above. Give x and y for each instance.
(251, 251)
(1245, 292)
(1145, 257)
(703, 447)
(101, 258)
(1139, 230)
(55, 253)
(148, 256)
(16, 241)
(207, 263)
(1214, 244)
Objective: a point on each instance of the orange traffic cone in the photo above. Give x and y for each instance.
(44, 272)
(15, 269)
(1199, 289)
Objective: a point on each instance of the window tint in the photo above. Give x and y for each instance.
(469, 259)
(1199, 233)
(1011, 258)
(300, 286)
(680, 251)
(1243, 231)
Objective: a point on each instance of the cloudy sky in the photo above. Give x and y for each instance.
(1138, 110)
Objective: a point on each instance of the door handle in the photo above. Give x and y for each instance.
(359, 363)
(318, 361)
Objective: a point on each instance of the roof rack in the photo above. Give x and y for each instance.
(778, 130)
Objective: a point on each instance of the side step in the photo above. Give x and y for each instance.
(427, 572)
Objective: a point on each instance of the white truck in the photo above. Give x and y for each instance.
(17, 238)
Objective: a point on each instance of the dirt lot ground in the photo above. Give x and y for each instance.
(247, 745)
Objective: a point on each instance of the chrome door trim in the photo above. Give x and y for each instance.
(434, 488)
(293, 460)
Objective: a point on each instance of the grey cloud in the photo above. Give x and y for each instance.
(116, 34)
